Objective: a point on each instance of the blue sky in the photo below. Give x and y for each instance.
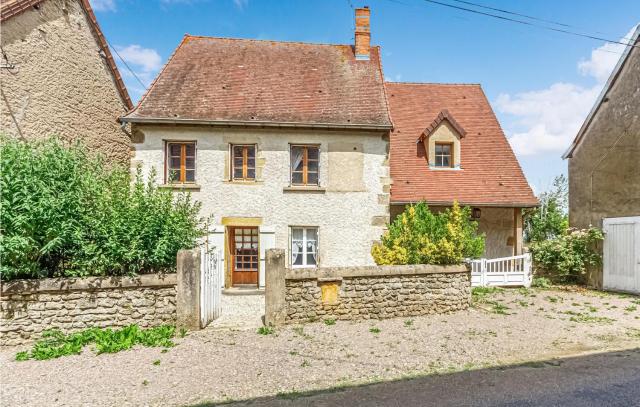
(541, 84)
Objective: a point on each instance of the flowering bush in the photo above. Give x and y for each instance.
(567, 257)
(419, 236)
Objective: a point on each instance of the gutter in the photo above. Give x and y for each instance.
(241, 123)
(480, 205)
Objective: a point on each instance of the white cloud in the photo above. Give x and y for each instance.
(547, 120)
(145, 58)
(103, 5)
(603, 59)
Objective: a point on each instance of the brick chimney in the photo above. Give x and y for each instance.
(363, 34)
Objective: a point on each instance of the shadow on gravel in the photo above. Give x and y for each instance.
(604, 379)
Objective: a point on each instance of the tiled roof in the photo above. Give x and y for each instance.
(489, 174)
(444, 115)
(238, 81)
(11, 8)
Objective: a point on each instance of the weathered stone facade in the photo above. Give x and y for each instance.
(356, 293)
(59, 78)
(30, 307)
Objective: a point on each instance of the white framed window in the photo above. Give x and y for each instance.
(304, 246)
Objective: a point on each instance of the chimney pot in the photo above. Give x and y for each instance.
(363, 34)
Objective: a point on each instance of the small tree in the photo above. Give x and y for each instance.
(419, 236)
(550, 219)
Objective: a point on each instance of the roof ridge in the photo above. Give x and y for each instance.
(433, 83)
(265, 40)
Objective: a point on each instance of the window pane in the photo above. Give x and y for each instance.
(312, 166)
(296, 158)
(296, 178)
(237, 173)
(237, 151)
(296, 234)
(251, 162)
(190, 150)
(190, 163)
(312, 178)
(312, 234)
(311, 259)
(174, 162)
(312, 153)
(251, 151)
(190, 175)
(174, 175)
(174, 149)
(296, 253)
(251, 173)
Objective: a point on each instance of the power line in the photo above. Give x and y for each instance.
(560, 30)
(126, 65)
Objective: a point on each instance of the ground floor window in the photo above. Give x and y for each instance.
(304, 246)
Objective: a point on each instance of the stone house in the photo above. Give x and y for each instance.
(604, 158)
(59, 77)
(447, 145)
(287, 145)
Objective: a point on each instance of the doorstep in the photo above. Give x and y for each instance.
(252, 290)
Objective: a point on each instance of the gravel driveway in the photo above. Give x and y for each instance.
(222, 365)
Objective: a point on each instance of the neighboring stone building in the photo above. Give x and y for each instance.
(59, 77)
(447, 145)
(604, 158)
(284, 143)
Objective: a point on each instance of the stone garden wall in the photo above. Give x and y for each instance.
(29, 307)
(352, 293)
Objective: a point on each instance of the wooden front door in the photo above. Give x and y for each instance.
(244, 255)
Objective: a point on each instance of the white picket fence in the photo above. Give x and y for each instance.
(210, 284)
(503, 271)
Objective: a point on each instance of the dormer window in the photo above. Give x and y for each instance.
(441, 141)
(444, 155)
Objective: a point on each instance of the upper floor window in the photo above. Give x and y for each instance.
(305, 163)
(444, 155)
(244, 162)
(181, 162)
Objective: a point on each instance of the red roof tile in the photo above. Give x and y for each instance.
(237, 80)
(489, 174)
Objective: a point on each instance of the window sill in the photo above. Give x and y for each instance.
(238, 182)
(192, 187)
(304, 188)
(445, 168)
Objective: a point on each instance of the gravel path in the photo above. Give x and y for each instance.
(218, 364)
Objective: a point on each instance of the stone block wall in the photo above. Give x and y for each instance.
(360, 293)
(29, 307)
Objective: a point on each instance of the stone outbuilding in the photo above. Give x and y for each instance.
(59, 77)
(604, 167)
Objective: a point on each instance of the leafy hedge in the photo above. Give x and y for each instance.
(66, 213)
(567, 257)
(419, 236)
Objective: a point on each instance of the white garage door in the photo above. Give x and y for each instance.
(622, 254)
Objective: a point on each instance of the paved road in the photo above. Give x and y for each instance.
(610, 379)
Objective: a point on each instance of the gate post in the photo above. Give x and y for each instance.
(188, 289)
(275, 305)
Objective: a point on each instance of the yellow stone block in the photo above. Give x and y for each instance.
(329, 293)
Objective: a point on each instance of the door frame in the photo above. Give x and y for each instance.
(230, 232)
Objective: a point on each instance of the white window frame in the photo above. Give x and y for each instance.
(304, 247)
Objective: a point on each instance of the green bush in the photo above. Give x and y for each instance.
(65, 213)
(419, 236)
(566, 258)
(550, 219)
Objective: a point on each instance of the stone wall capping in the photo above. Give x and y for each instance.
(23, 287)
(333, 273)
(329, 279)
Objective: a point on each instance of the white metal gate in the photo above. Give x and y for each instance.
(210, 284)
(503, 271)
(621, 252)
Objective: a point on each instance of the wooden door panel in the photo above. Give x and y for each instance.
(244, 255)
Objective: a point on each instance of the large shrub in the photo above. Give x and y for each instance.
(567, 257)
(419, 236)
(65, 213)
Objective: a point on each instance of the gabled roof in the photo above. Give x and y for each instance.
(12, 8)
(253, 82)
(490, 174)
(442, 116)
(635, 40)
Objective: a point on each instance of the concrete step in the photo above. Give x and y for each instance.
(251, 290)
